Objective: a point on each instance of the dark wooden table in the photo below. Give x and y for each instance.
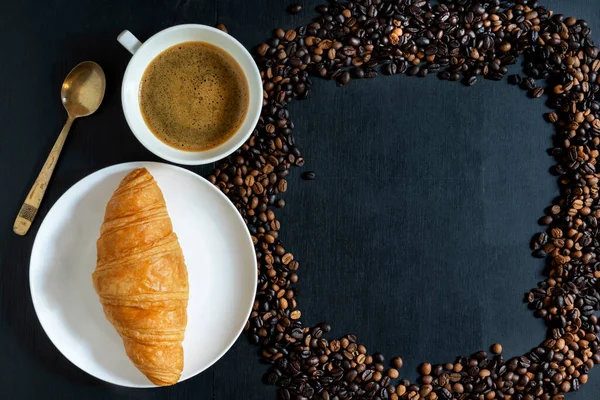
(414, 236)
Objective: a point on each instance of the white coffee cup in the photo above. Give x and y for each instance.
(144, 53)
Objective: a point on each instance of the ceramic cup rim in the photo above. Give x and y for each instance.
(143, 133)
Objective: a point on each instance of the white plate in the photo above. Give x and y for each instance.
(218, 252)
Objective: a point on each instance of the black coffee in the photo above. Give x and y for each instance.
(194, 96)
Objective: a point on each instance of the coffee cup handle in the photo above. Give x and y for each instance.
(129, 41)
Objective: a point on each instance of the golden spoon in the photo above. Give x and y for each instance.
(81, 94)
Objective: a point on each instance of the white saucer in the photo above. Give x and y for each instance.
(219, 255)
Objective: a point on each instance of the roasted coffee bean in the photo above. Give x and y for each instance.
(308, 175)
(378, 358)
(397, 362)
(425, 369)
(294, 8)
(497, 348)
(528, 83)
(514, 79)
(344, 77)
(537, 92)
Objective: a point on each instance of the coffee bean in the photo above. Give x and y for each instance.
(514, 79)
(425, 369)
(471, 81)
(351, 375)
(344, 77)
(458, 388)
(444, 75)
(412, 71)
(497, 348)
(308, 175)
(378, 358)
(537, 92)
(397, 362)
(367, 375)
(528, 83)
(377, 376)
(425, 390)
(294, 8)
(290, 35)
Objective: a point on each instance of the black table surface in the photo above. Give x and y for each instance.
(414, 236)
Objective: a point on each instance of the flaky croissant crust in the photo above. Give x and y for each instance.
(141, 278)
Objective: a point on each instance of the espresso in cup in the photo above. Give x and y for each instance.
(194, 96)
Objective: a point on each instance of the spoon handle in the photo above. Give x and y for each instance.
(36, 194)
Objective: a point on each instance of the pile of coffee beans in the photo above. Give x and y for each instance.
(458, 40)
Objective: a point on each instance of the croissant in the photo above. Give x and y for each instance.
(141, 278)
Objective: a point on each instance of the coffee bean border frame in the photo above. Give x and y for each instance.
(458, 40)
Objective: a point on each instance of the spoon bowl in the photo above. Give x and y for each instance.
(83, 89)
